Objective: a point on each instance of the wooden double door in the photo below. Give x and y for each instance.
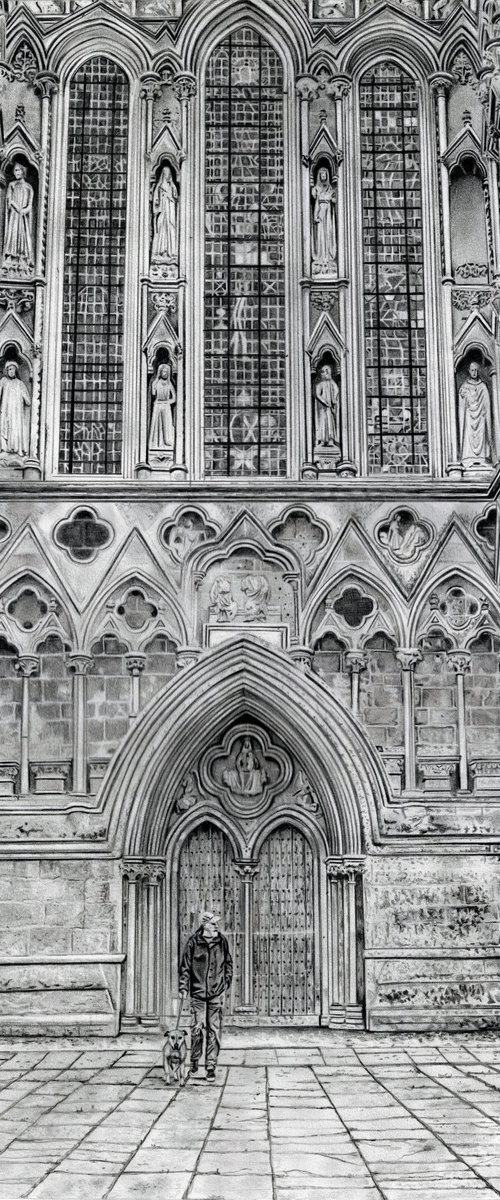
(268, 913)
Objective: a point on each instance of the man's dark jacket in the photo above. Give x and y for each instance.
(206, 968)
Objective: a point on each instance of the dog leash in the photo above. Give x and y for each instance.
(179, 1014)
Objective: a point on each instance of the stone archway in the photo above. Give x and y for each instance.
(245, 685)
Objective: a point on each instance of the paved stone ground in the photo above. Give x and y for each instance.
(293, 1115)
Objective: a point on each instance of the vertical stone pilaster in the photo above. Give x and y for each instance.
(340, 89)
(356, 661)
(79, 666)
(408, 659)
(307, 88)
(135, 664)
(27, 665)
(247, 870)
(440, 84)
(459, 661)
(344, 878)
(185, 88)
(143, 925)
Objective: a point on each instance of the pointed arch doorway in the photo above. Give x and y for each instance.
(289, 881)
(270, 913)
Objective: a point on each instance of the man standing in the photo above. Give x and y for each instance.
(205, 974)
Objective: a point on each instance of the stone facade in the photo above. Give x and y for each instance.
(249, 549)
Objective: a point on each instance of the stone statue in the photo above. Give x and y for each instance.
(403, 537)
(18, 235)
(258, 592)
(476, 443)
(165, 201)
(162, 431)
(327, 408)
(221, 599)
(247, 778)
(324, 234)
(184, 537)
(15, 403)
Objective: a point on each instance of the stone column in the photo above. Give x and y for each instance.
(79, 666)
(440, 84)
(131, 883)
(356, 661)
(307, 88)
(45, 84)
(408, 659)
(27, 665)
(152, 878)
(185, 88)
(459, 661)
(247, 871)
(135, 664)
(344, 877)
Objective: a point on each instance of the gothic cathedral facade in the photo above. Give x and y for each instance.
(249, 521)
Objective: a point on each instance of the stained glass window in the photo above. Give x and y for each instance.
(244, 260)
(396, 376)
(94, 267)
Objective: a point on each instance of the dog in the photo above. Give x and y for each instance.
(175, 1057)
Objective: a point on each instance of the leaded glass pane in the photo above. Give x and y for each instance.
(94, 268)
(396, 374)
(245, 428)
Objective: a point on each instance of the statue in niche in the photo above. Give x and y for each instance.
(327, 395)
(324, 233)
(165, 203)
(221, 599)
(476, 443)
(15, 403)
(247, 777)
(162, 431)
(258, 592)
(18, 234)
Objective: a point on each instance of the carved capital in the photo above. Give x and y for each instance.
(246, 869)
(307, 87)
(339, 87)
(9, 772)
(147, 872)
(440, 83)
(135, 663)
(46, 84)
(348, 868)
(79, 664)
(459, 661)
(27, 664)
(150, 86)
(408, 658)
(187, 656)
(185, 86)
(302, 657)
(356, 661)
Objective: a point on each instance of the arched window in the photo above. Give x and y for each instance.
(396, 383)
(244, 260)
(94, 267)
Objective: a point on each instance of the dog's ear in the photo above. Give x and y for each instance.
(185, 1032)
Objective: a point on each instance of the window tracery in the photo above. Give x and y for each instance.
(245, 349)
(94, 267)
(396, 374)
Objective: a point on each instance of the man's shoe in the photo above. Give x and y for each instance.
(193, 1070)
(210, 1072)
